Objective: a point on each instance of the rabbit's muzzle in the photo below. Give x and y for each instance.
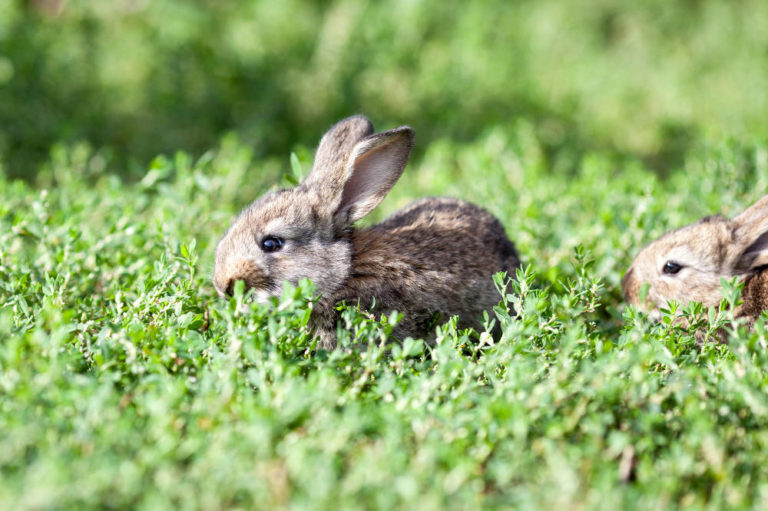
(224, 279)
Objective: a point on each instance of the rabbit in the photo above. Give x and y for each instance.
(687, 264)
(431, 260)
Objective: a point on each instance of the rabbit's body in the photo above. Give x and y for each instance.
(687, 264)
(447, 252)
(432, 260)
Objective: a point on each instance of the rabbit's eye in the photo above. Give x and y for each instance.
(671, 267)
(271, 244)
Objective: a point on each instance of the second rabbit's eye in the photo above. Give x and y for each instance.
(671, 267)
(271, 244)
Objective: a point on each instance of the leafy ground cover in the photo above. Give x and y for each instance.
(588, 128)
(125, 383)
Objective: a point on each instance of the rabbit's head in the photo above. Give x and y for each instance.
(296, 233)
(687, 264)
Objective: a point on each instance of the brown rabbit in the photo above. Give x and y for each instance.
(433, 259)
(687, 264)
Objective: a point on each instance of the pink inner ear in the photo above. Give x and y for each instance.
(371, 177)
(373, 174)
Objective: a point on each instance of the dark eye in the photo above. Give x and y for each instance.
(671, 267)
(271, 244)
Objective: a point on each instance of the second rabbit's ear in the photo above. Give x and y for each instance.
(751, 236)
(373, 168)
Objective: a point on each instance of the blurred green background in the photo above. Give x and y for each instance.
(136, 78)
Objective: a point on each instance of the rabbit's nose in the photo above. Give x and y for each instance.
(224, 284)
(228, 287)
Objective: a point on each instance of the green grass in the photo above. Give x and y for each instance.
(125, 382)
(588, 127)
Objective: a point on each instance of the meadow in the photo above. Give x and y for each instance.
(588, 129)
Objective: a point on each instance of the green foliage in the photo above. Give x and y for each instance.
(125, 383)
(588, 128)
(139, 78)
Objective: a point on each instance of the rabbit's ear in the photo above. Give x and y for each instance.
(373, 168)
(751, 234)
(335, 146)
(755, 213)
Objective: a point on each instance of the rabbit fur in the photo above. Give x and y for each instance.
(706, 251)
(431, 260)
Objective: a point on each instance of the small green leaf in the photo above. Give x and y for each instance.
(297, 174)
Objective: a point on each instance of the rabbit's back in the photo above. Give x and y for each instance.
(431, 260)
(452, 235)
